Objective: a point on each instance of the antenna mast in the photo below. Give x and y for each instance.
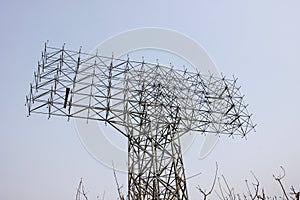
(150, 104)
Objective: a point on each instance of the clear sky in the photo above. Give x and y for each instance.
(257, 41)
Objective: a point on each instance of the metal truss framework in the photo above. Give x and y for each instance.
(152, 105)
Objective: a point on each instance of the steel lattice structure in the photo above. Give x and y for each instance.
(151, 104)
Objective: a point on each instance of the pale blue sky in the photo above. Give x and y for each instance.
(257, 41)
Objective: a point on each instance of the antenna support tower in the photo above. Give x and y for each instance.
(150, 104)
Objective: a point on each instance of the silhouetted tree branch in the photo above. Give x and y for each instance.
(294, 193)
(279, 178)
(81, 191)
(206, 194)
(121, 196)
(224, 191)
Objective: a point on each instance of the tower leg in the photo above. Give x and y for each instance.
(155, 165)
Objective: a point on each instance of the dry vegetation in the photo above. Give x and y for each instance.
(221, 190)
(255, 191)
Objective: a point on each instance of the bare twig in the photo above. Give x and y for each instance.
(220, 197)
(263, 197)
(256, 186)
(248, 188)
(221, 189)
(279, 178)
(231, 196)
(294, 193)
(205, 195)
(121, 196)
(193, 176)
(81, 191)
(78, 190)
